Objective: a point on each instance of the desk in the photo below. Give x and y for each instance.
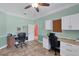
(10, 41)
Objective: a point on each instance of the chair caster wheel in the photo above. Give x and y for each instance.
(49, 50)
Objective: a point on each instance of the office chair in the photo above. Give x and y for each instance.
(57, 48)
(54, 44)
(21, 39)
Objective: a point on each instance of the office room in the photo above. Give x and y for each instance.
(39, 29)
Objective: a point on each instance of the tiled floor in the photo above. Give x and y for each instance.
(32, 49)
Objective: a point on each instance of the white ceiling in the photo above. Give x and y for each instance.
(31, 13)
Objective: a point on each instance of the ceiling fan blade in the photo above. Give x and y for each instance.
(37, 9)
(27, 7)
(43, 4)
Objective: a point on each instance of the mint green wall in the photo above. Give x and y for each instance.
(3, 41)
(2, 23)
(9, 23)
(13, 22)
(69, 34)
(2, 28)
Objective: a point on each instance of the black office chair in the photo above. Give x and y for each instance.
(21, 39)
(57, 48)
(54, 43)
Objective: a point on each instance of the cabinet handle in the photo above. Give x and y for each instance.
(69, 45)
(69, 50)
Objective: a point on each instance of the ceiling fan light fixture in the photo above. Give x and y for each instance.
(35, 5)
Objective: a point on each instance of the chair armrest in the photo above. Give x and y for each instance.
(58, 45)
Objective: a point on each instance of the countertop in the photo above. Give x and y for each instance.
(70, 41)
(66, 40)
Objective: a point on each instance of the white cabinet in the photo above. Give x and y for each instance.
(46, 43)
(75, 22)
(67, 49)
(48, 25)
(66, 23)
(70, 22)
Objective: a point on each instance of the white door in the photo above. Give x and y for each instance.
(30, 32)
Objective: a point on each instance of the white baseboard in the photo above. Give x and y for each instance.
(3, 46)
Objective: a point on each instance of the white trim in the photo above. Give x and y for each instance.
(3, 35)
(3, 46)
(14, 14)
(51, 12)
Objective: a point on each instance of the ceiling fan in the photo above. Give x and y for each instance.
(36, 5)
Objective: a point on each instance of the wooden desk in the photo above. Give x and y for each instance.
(10, 41)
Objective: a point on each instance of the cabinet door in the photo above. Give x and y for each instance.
(75, 22)
(57, 25)
(63, 49)
(67, 49)
(46, 43)
(75, 50)
(66, 24)
(48, 24)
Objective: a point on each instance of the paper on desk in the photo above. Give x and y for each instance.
(16, 43)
